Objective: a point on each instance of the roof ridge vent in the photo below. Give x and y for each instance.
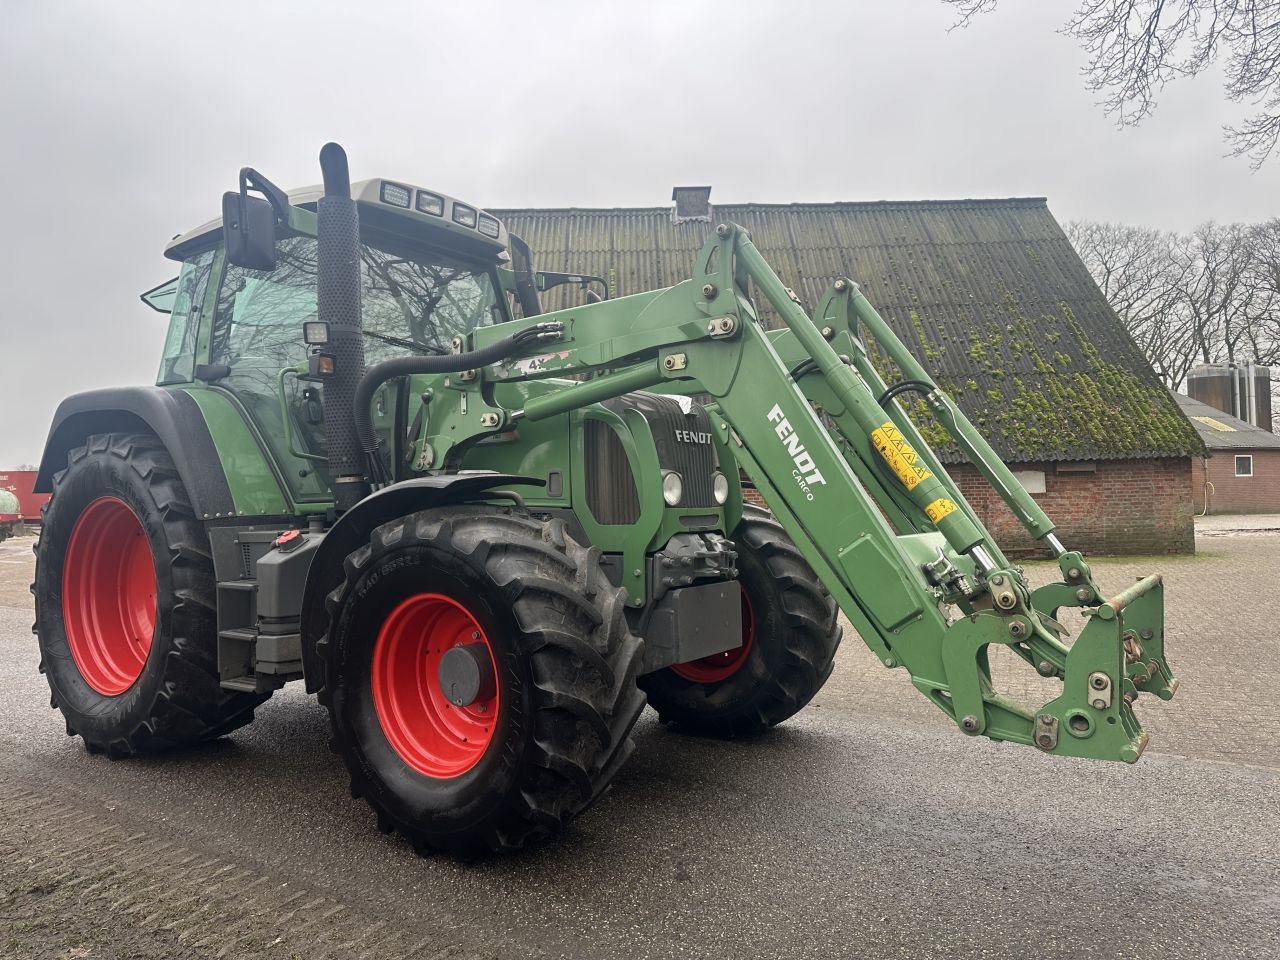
(692, 204)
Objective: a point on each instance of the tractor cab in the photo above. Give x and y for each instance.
(428, 275)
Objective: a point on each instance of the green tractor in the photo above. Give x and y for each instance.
(485, 535)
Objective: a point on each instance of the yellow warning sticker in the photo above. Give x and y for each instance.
(899, 455)
(942, 507)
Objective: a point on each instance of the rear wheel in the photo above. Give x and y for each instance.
(480, 677)
(125, 604)
(790, 632)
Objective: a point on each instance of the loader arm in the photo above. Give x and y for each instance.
(857, 488)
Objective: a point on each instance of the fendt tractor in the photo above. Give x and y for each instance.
(485, 535)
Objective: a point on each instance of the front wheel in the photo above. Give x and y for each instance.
(790, 632)
(480, 677)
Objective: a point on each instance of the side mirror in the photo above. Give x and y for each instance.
(249, 231)
(526, 285)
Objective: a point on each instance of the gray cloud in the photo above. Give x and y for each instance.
(123, 123)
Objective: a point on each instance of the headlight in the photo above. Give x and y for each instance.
(395, 194)
(720, 487)
(464, 215)
(430, 203)
(489, 226)
(315, 332)
(672, 488)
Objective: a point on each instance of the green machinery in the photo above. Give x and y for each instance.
(486, 535)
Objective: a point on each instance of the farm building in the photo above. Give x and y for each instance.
(1241, 473)
(989, 295)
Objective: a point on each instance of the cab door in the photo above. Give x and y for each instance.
(257, 353)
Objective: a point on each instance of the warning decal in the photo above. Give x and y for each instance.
(942, 507)
(899, 455)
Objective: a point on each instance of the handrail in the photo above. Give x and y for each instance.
(287, 418)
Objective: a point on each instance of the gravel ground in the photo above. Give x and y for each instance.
(865, 827)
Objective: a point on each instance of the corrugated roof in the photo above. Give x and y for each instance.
(988, 294)
(1221, 431)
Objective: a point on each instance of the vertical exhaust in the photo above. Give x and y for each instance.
(338, 305)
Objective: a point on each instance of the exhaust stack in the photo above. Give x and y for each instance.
(338, 305)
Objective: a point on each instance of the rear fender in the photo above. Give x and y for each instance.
(353, 529)
(171, 415)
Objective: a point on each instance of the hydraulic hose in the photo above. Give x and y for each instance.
(905, 386)
(380, 373)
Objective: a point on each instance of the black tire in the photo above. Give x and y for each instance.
(565, 661)
(796, 634)
(176, 699)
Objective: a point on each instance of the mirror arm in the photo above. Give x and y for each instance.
(251, 179)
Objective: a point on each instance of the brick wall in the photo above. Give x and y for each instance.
(1125, 507)
(1259, 493)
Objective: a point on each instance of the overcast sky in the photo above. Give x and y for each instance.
(122, 123)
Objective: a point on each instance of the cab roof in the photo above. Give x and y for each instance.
(390, 205)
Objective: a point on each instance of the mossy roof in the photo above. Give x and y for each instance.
(988, 294)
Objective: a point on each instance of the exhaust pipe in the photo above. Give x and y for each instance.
(338, 305)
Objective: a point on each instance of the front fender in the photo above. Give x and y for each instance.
(353, 529)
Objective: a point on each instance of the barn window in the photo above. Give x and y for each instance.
(1244, 466)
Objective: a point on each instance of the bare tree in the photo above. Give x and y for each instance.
(1209, 296)
(1138, 273)
(1135, 47)
(1222, 302)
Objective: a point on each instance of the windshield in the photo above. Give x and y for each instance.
(421, 306)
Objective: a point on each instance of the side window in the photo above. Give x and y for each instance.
(178, 362)
(257, 334)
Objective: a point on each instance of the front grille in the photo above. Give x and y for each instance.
(611, 487)
(683, 441)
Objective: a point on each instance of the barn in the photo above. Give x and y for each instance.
(991, 297)
(1241, 471)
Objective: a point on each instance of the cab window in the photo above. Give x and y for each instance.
(178, 359)
(411, 306)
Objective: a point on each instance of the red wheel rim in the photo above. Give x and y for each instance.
(430, 734)
(721, 666)
(109, 596)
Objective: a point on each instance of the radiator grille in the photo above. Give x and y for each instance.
(683, 441)
(611, 487)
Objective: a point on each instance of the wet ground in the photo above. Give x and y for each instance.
(865, 827)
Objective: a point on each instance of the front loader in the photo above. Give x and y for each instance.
(485, 535)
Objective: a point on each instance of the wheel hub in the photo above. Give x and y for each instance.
(466, 674)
